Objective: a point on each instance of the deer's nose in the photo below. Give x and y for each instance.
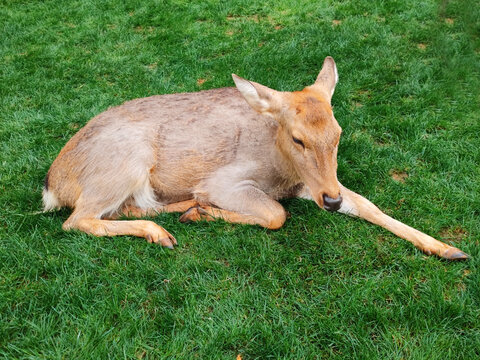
(331, 204)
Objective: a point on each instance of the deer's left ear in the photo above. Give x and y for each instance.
(261, 98)
(327, 78)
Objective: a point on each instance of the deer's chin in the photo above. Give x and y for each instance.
(319, 201)
(320, 204)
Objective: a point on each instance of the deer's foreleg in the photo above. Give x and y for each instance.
(134, 211)
(241, 203)
(356, 205)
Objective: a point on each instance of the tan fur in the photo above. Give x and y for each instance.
(227, 153)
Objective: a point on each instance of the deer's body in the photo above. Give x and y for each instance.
(181, 146)
(210, 154)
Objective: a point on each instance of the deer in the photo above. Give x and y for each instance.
(229, 153)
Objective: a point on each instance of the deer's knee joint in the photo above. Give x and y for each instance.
(276, 219)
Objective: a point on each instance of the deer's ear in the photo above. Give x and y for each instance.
(327, 78)
(261, 98)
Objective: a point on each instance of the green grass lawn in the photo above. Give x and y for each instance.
(323, 286)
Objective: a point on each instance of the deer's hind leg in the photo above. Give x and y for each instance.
(88, 217)
(152, 232)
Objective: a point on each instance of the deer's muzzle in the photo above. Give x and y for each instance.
(331, 204)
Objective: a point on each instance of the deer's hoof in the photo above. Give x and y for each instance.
(158, 235)
(196, 213)
(455, 254)
(190, 215)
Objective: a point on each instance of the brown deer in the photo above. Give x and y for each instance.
(227, 153)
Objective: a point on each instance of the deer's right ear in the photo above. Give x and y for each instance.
(261, 98)
(328, 77)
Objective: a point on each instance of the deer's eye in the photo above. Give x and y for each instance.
(298, 141)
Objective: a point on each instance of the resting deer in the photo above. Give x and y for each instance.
(227, 153)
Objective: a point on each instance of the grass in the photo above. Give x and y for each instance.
(323, 286)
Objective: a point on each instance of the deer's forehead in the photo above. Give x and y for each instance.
(311, 109)
(312, 114)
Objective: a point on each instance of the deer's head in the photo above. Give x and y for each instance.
(308, 133)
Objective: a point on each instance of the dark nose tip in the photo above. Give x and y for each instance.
(331, 204)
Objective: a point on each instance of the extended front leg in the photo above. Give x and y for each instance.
(356, 205)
